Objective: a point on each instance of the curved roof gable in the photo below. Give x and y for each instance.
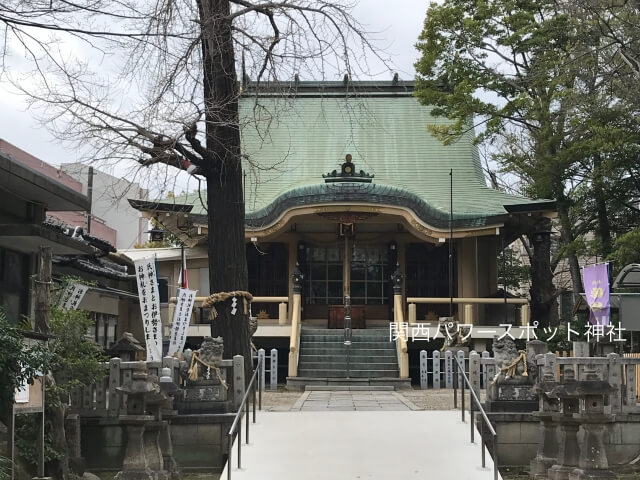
(292, 138)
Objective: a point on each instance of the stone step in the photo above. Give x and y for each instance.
(364, 331)
(340, 339)
(339, 365)
(300, 383)
(384, 358)
(342, 373)
(322, 350)
(354, 387)
(354, 345)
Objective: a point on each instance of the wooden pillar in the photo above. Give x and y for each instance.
(42, 292)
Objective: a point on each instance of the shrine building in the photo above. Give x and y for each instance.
(344, 180)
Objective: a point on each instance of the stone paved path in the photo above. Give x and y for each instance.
(347, 435)
(351, 401)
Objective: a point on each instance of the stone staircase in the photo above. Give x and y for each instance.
(323, 359)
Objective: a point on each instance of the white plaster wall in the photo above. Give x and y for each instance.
(110, 203)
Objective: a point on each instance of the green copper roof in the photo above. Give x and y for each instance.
(291, 141)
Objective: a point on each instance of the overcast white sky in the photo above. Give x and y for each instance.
(398, 25)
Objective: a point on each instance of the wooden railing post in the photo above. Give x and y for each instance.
(282, 313)
(294, 340)
(398, 313)
(412, 313)
(525, 315)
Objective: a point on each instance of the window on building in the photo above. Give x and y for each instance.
(103, 330)
(163, 289)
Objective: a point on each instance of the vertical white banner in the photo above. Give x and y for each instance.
(150, 307)
(72, 296)
(181, 319)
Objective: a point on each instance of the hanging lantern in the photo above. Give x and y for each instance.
(156, 234)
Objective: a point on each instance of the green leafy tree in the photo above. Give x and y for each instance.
(626, 249)
(534, 76)
(18, 362)
(75, 361)
(511, 271)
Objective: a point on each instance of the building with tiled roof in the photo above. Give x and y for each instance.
(344, 179)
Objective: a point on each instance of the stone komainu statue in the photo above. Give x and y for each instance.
(513, 366)
(208, 357)
(454, 335)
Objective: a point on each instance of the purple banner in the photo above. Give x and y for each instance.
(595, 279)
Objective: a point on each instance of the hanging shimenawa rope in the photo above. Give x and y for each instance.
(193, 369)
(510, 370)
(220, 297)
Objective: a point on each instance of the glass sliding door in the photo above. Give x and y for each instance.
(370, 275)
(324, 280)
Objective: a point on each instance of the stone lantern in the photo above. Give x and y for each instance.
(547, 454)
(143, 457)
(568, 451)
(582, 404)
(593, 463)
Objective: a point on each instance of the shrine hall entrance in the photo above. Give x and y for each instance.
(362, 271)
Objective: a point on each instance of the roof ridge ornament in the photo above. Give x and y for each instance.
(348, 173)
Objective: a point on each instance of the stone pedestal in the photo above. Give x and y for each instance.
(568, 452)
(593, 463)
(166, 445)
(134, 464)
(547, 454)
(204, 396)
(511, 397)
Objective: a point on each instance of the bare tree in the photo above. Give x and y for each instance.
(160, 83)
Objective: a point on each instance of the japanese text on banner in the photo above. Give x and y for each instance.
(181, 319)
(596, 287)
(150, 307)
(72, 296)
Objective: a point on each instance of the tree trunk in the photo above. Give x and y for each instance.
(567, 235)
(602, 227)
(55, 410)
(544, 307)
(223, 171)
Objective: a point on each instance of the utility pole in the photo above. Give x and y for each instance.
(90, 195)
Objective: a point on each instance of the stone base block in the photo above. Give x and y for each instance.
(579, 474)
(558, 472)
(200, 407)
(141, 475)
(517, 406)
(205, 390)
(539, 467)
